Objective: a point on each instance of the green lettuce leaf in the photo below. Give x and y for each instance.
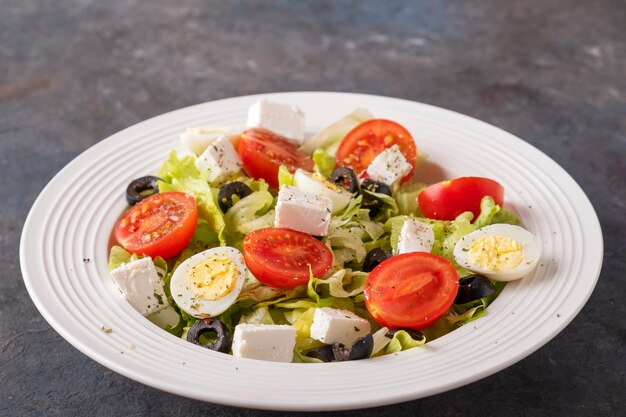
(380, 341)
(402, 341)
(119, 256)
(342, 284)
(393, 227)
(406, 198)
(249, 214)
(324, 163)
(390, 206)
(285, 177)
(331, 136)
(505, 216)
(260, 315)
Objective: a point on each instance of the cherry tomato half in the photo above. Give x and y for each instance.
(447, 199)
(263, 152)
(363, 143)
(160, 225)
(412, 290)
(282, 257)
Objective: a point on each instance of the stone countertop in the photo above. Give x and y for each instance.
(73, 72)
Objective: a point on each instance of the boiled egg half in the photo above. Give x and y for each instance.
(317, 184)
(209, 282)
(501, 252)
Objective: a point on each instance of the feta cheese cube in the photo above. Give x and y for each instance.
(283, 119)
(415, 236)
(331, 326)
(389, 166)
(141, 285)
(197, 139)
(266, 342)
(221, 159)
(303, 211)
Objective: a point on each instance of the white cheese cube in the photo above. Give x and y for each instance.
(221, 159)
(197, 139)
(389, 166)
(331, 326)
(267, 342)
(282, 119)
(303, 211)
(415, 236)
(141, 285)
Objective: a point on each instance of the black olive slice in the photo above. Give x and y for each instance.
(324, 353)
(374, 206)
(362, 348)
(141, 188)
(472, 288)
(223, 341)
(373, 258)
(375, 186)
(345, 177)
(340, 352)
(226, 193)
(415, 334)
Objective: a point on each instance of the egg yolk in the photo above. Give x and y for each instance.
(213, 278)
(496, 253)
(331, 186)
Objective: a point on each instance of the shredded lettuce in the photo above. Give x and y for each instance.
(249, 214)
(342, 284)
(119, 256)
(324, 163)
(390, 206)
(285, 177)
(458, 315)
(402, 341)
(406, 198)
(333, 134)
(260, 315)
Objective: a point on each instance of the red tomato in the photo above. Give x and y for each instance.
(263, 152)
(447, 199)
(363, 143)
(412, 290)
(161, 225)
(282, 257)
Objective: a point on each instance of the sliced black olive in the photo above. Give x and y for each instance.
(362, 348)
(373, 258)
(324, 353)
(375, 187)
(223, 341)
(473, 287)
(226, 193)
(345, 177)
(373, 205)
(142, 188)
(340, 352)
(415, 334)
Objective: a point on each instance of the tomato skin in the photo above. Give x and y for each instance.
(447, 199)
(281, 257)
(160, 225)
(412, 290)
(263, 152)
(363, 143)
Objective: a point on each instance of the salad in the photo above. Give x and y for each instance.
(266, 244)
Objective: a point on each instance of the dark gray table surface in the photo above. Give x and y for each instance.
(73, 72)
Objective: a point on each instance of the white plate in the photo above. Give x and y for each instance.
(63, 256)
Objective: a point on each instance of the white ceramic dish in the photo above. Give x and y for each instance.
(63, 256)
